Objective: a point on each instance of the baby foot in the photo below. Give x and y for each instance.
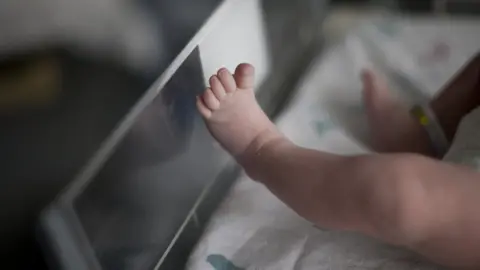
(232, 113)
(392, 128)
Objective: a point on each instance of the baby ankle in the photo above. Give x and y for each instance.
(262, 147)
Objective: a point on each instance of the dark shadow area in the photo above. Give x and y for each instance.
(42, 149)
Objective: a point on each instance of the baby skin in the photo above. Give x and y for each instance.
(404, 199)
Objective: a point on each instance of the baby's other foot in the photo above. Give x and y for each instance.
(392, 128)
(232, 113)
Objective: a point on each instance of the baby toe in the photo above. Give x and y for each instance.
(210, 100)
(202, 108)
(217, 87)
(227, 80)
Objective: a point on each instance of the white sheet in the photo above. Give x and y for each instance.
(254, 230)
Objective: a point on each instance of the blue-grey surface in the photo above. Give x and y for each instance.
(134, 206)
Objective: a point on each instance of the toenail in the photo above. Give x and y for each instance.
(222, 70)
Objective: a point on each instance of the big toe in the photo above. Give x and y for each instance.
(245, 76)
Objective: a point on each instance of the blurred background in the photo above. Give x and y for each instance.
(70, 70)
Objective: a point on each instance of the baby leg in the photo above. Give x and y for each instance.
(404, 199)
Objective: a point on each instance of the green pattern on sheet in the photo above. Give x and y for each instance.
(219, 262)
(322, 127)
